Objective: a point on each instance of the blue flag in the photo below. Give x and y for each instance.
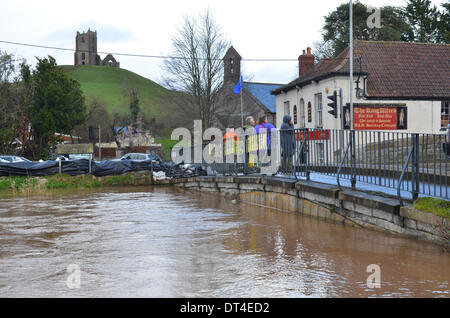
(238, 87)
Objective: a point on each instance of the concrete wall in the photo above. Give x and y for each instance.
(328, 202)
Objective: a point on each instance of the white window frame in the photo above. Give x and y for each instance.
(302, 113)
(319, 110)
(287, 108)
(445, 114)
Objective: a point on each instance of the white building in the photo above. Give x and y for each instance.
(398, 86)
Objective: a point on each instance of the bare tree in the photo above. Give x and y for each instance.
(195, 68)
(13, 105)
(322, 49)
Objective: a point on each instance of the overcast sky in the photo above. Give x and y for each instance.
(258, 29)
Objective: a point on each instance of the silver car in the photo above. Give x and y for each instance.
(13, 159)
(141, 157)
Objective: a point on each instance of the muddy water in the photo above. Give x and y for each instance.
(162, 242)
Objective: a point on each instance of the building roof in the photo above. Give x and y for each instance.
(394, 70)
(261, 92)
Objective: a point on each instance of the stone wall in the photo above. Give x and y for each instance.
(326, 201)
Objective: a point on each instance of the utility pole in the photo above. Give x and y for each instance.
(352, 131)
(351, 65)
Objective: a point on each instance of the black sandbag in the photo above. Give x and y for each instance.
(99, 169)
(110, 168)
(29, 168)
(75, 167)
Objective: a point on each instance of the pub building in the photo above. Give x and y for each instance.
(398, 86)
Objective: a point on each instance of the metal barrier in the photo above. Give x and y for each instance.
(416, 163)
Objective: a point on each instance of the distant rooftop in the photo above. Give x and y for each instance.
(261, 91)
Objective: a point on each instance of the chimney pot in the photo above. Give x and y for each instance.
(305, 62)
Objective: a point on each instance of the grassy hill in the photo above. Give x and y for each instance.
(109, 84)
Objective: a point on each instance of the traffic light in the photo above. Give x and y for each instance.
(333, 104)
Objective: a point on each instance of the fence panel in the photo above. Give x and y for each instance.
(416, 163)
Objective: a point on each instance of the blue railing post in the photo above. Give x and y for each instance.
(415, 167)
(353, 159)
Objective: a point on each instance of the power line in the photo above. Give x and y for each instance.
(139, 55)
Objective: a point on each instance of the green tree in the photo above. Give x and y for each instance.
(336, 30)
(12, 110)
(56, 106)
(423, 17)
(96, 115)
(444, 25)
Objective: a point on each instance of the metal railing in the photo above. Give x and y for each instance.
(415, 163)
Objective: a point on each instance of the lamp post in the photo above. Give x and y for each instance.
(352, 131)
(351, 65)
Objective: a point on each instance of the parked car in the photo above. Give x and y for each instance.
(141, 157)
(13, 159)
(62, 158)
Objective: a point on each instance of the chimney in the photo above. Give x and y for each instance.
(305, 62)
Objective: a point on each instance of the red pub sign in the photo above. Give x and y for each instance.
(376, 117)
(313, 135)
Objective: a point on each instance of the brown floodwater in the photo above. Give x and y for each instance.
(165, 242)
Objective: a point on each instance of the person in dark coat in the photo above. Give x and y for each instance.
(287, 141)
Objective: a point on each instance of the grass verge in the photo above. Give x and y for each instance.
(36, 185)
(436, 206)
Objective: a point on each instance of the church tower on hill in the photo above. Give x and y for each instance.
(86, 51)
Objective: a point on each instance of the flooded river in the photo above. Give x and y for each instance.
(163, 242)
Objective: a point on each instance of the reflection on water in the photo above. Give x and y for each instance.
(163, 242)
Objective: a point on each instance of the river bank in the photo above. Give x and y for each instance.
(325, 201)
(17, 186)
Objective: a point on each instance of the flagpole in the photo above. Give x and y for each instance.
(242, 112)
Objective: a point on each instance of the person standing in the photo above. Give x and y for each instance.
(264, 128)
(249, 142)
(249, 122)
(287, 141)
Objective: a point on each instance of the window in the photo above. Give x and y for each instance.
(445, 114)
(231, 63)
(295, 114)
(309, 112)
(287, 110)
(302, 113)
(83, 56)
(82, 39)
(318, 105)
